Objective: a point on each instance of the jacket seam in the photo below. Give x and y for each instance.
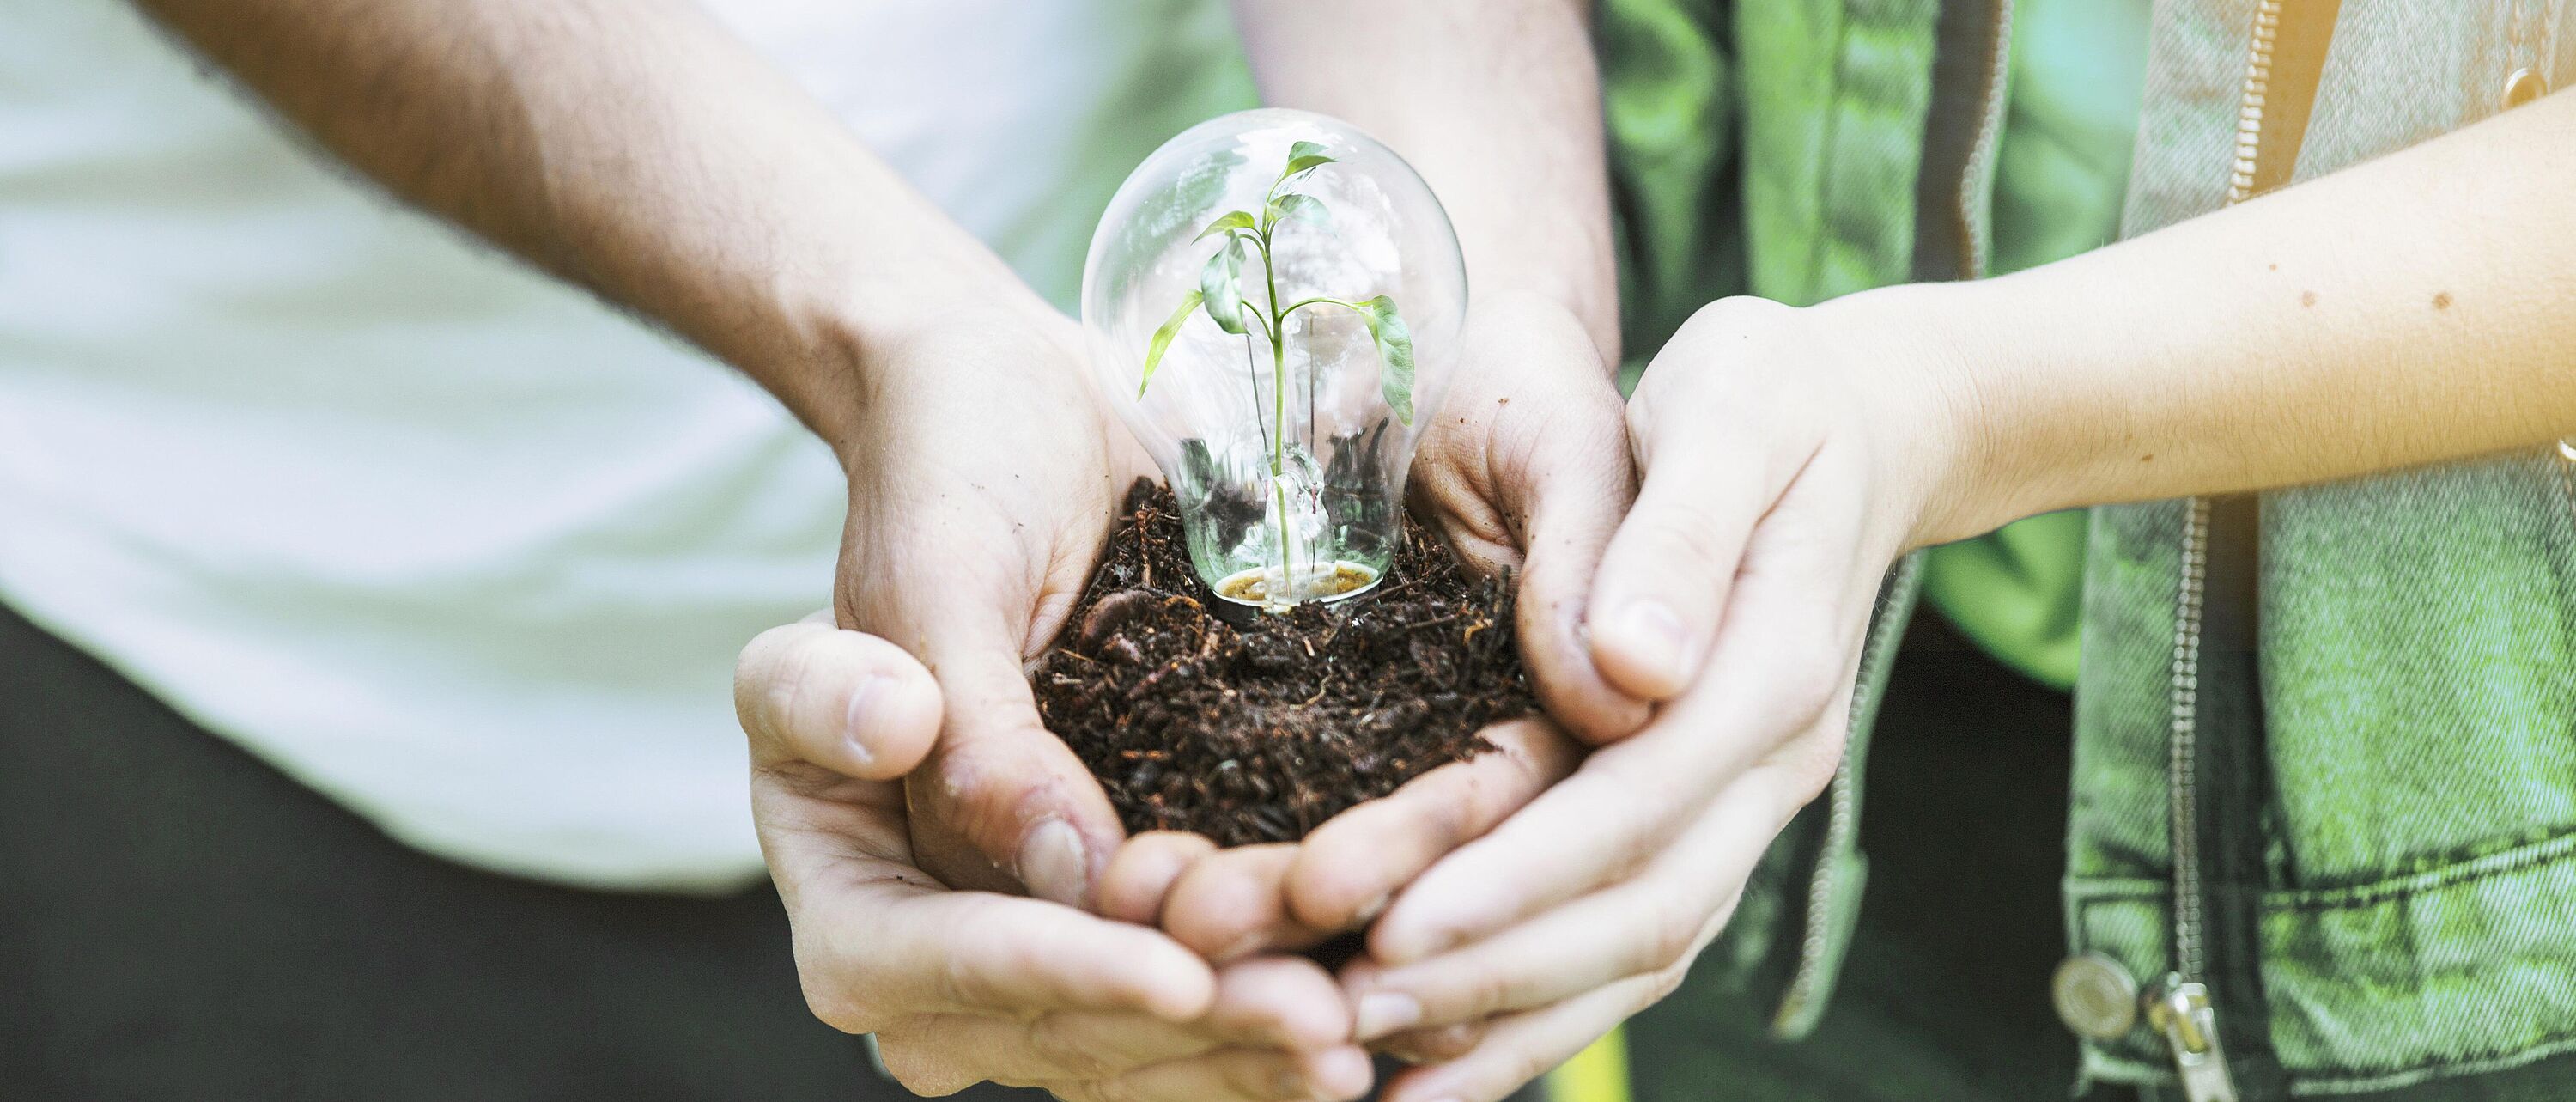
(2447, 871)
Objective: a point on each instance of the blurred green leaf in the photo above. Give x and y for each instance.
(1303, 156)
(1299, 207)
(1220, 289)
(1163, 339)
(1229, 221)
(1395, 347)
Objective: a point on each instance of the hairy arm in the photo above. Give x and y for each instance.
(2414, 309)
(630, 146)
(1496, 102)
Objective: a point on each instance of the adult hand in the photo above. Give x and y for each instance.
(965, 986)
(984, 476)
(1788, 459)
(1526, 468)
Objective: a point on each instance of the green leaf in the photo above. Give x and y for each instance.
(1299, 207)
(1228, 222)
(1303, 156)
(1220, 289)
(1395, 348)
(1163, 339)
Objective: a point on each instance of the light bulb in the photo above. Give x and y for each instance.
(1287, 455)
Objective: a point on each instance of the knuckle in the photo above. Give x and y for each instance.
(1663, 934)
(1114, 1089)
(963, 984)
(1642, 794)
(1812, 665)
(1054, 1042)
(1489, 993)
(1683, 545)
(1810, 764)
(833, 999)
(1522, 1064)
(919, 1067)
(834, 1008)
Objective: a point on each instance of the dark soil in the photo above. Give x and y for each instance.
(1259, 734)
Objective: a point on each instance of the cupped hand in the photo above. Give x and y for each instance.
(1788, 457)
(1525, 468)
(966, 986)
(984, 475)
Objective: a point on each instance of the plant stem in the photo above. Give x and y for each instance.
(1278, 419)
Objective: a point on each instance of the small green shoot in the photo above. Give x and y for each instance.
(1220, 293)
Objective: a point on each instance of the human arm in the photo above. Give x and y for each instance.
(2412, 309)
(639, 150)
(1790, 456)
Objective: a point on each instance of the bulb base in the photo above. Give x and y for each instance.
(1247, 592)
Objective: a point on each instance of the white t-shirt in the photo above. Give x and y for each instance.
(447, 541)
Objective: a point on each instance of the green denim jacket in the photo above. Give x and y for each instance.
(2379, 883)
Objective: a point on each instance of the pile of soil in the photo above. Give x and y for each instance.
(1261, 733)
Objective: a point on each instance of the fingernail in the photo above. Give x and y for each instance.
(1385, 1012)
(1288, 1083)
(1653, 626)
(1369, 911)
(1054, 864)
(1243, 947)
(854, 720)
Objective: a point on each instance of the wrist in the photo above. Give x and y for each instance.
(1940, 406)
(854, 346)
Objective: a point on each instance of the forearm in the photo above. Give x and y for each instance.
(631, 146)
(2418, 308)
(1496, 103)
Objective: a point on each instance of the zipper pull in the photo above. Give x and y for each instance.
(2181, 1012)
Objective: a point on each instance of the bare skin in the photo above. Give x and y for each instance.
(2411, 310)
(639, 151)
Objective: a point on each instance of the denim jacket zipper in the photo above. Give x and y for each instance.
(2183, 1010)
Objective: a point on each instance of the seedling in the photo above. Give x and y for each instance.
(1221, 295)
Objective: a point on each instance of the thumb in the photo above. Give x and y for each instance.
(1666, 573)
(1002, 803)
(1574, 491)
(844, 700)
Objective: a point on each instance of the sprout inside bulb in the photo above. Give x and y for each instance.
(1273, 301)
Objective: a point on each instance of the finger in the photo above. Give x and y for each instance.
(1140, 875)
(890, 947)
(1282, 1003)
(847, 701)
(1278, 1002)
(1667, 572)
(1782, 661)
(1348, 868)
(1522, 1047)
(1655, 921)
(941, 1054)
(1236, 1075)
(1435, 1045)
(1233, 902)
(1002, 803)
(1574, 489)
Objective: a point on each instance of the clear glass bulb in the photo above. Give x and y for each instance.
(1288, 455)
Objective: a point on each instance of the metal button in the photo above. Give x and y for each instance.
(2095, 996)
(2524, 86)
(2567, 449)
